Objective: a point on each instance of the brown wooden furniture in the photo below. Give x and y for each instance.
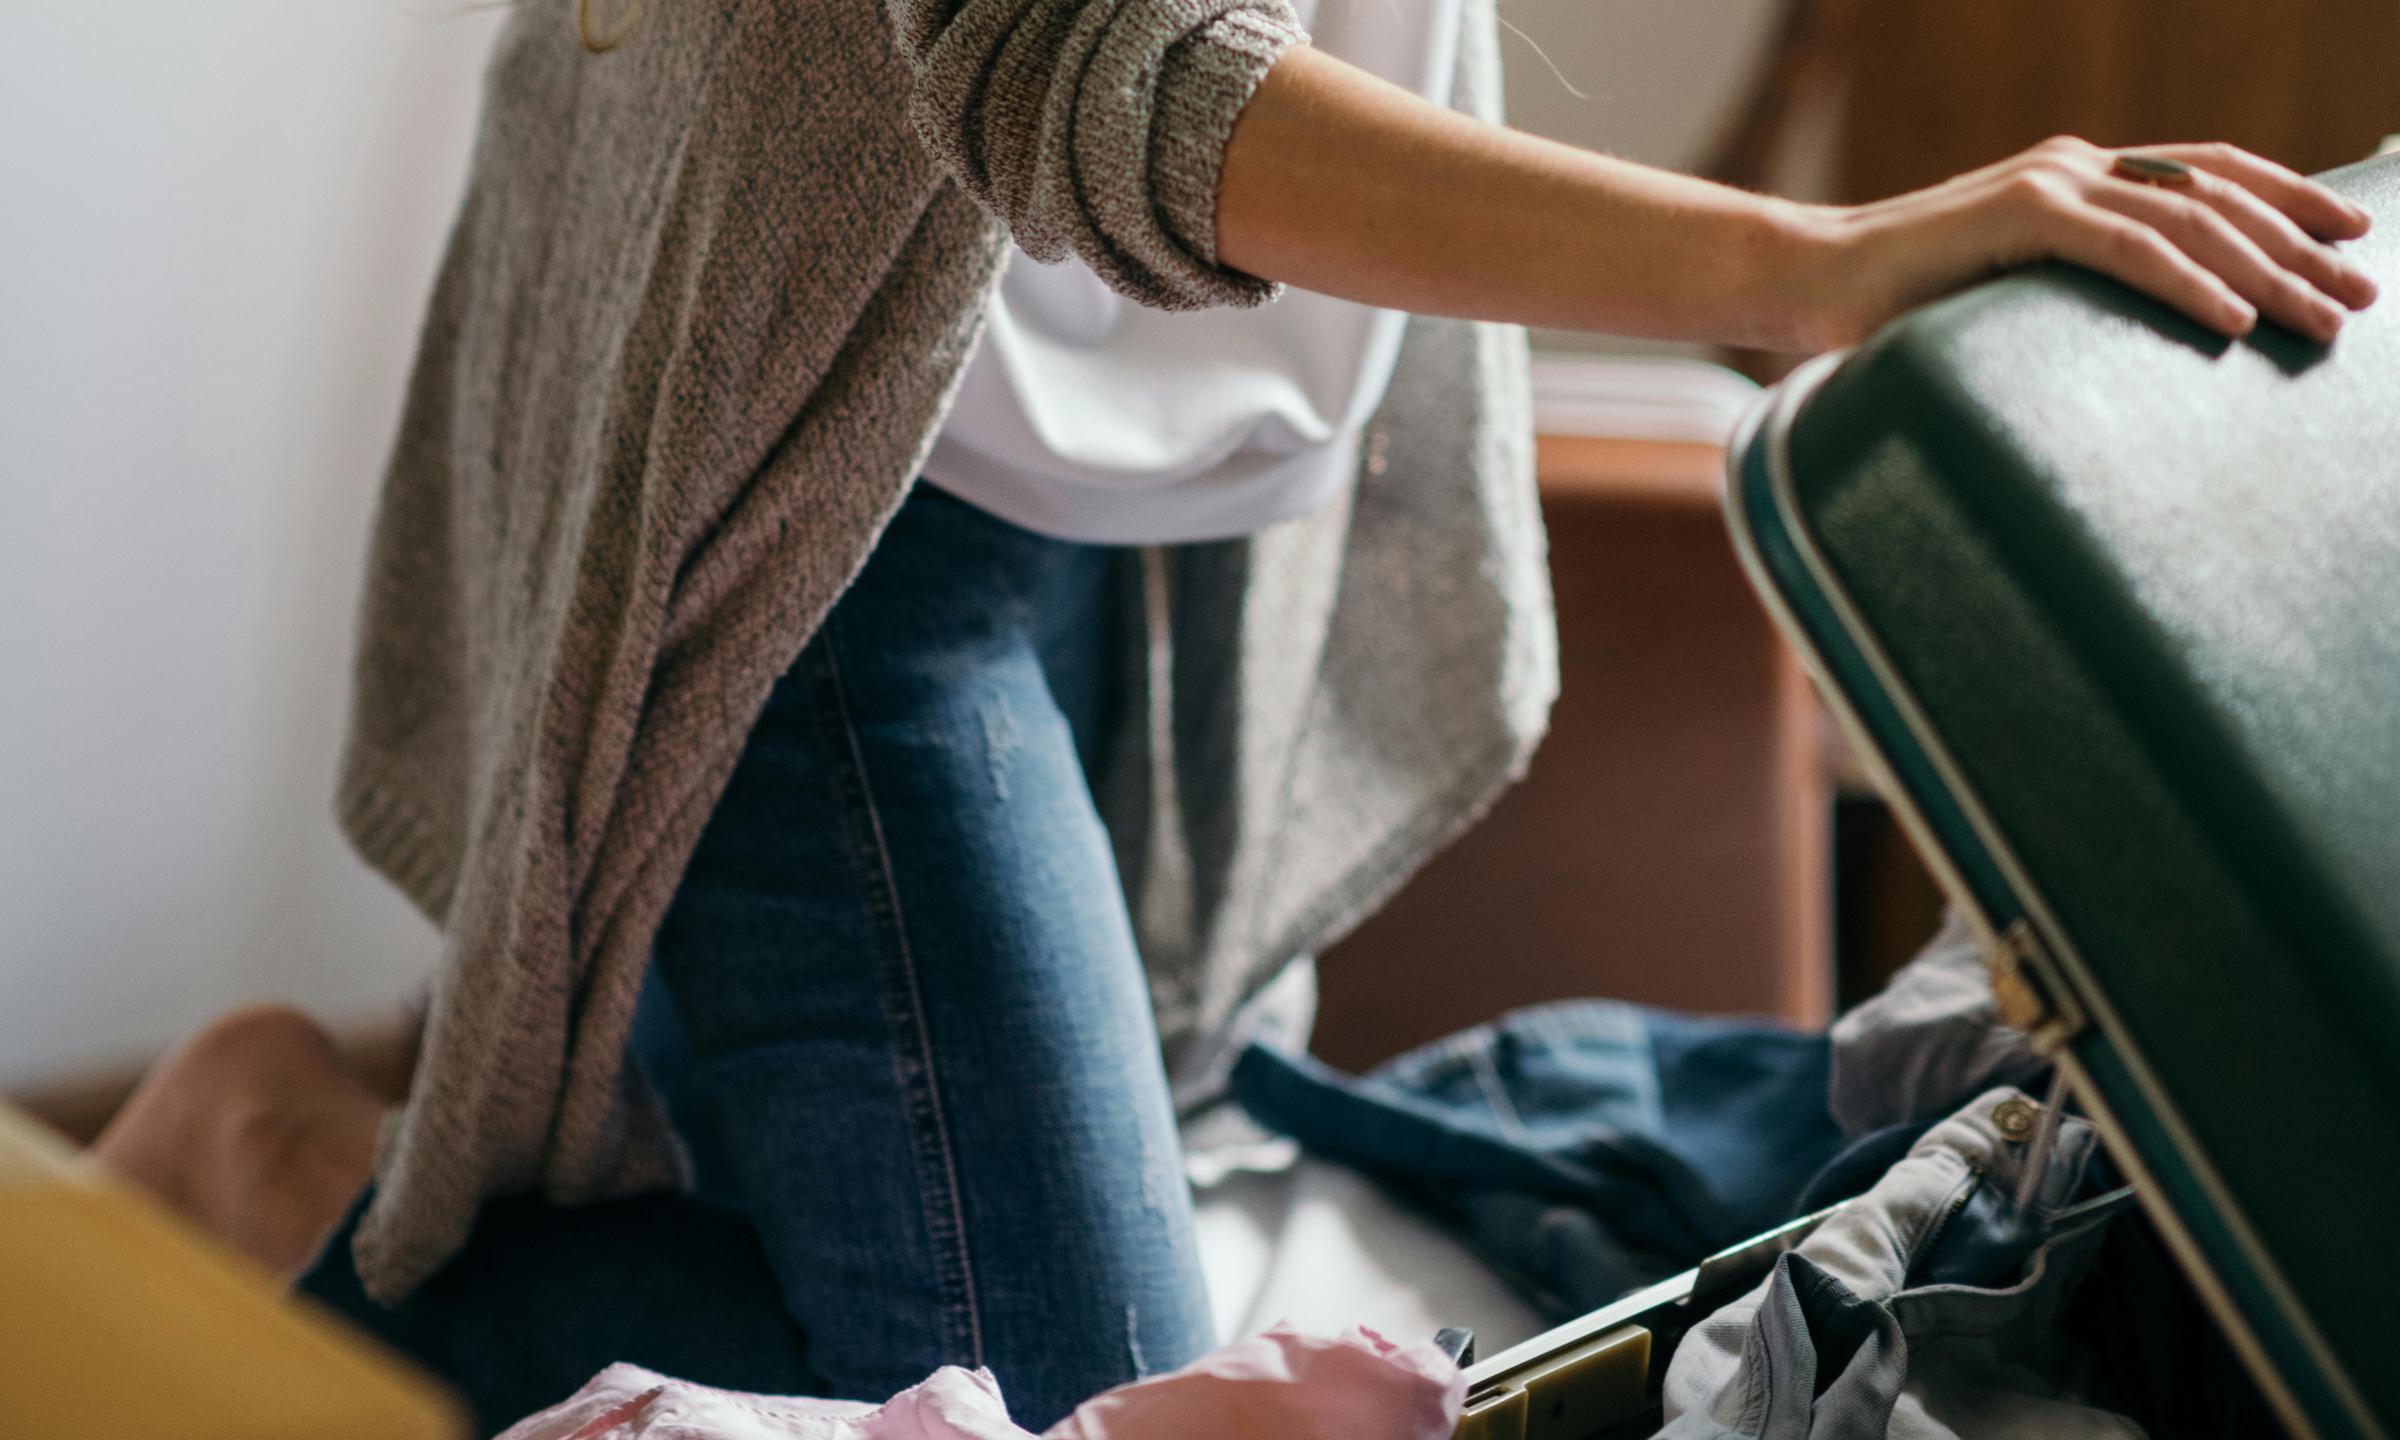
(1921, 92)
(1670, 843)
(1939, 88)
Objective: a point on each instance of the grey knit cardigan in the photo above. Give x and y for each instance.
(701, 315)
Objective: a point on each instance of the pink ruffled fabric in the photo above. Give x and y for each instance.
(1285, 1386)
(1275, 1386)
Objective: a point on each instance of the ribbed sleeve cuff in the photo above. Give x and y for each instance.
(1204, 83)
(1098, 128)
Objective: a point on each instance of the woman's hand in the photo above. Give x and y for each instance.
(2235, 238)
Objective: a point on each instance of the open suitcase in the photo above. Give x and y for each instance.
(2113, 609)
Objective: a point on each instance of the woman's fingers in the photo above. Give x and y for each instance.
(2311, 206)
(2229, 239)
(2206, 236)
(2285, 242)
(2140, 256)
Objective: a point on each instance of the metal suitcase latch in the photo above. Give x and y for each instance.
(2031, 994)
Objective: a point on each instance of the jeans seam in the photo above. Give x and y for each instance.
(938, 1185)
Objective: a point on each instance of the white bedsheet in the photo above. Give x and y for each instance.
(1319, 1247)
(1287, 1239)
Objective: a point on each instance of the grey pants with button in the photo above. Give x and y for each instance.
(1928, 1309)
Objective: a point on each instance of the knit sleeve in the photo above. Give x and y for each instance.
(1097, 128)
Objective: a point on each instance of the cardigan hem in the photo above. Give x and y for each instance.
(396, 838)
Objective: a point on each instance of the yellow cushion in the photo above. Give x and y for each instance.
(119, 1323)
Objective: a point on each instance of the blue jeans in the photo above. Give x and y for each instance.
(898, 1012)
(1587, 1147)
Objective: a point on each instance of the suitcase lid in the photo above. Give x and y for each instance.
(2114, 607)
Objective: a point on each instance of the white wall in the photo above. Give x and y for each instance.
(217, 225)
(1650, 80)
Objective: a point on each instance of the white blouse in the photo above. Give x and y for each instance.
(1085, 416)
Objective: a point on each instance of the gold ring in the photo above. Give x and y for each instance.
(592, 39)
(2151, 170)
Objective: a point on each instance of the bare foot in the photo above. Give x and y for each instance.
(254, 1131)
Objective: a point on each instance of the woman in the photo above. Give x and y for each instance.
(939, 806)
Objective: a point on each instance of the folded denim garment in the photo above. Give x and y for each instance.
(1929, 1308)
(1585, 1148)
(1276, 1386)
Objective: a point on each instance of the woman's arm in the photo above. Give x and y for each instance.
(1340, 183)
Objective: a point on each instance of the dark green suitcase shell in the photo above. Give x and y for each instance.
(2115, 605)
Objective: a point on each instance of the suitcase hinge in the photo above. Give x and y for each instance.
(2031, 994)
